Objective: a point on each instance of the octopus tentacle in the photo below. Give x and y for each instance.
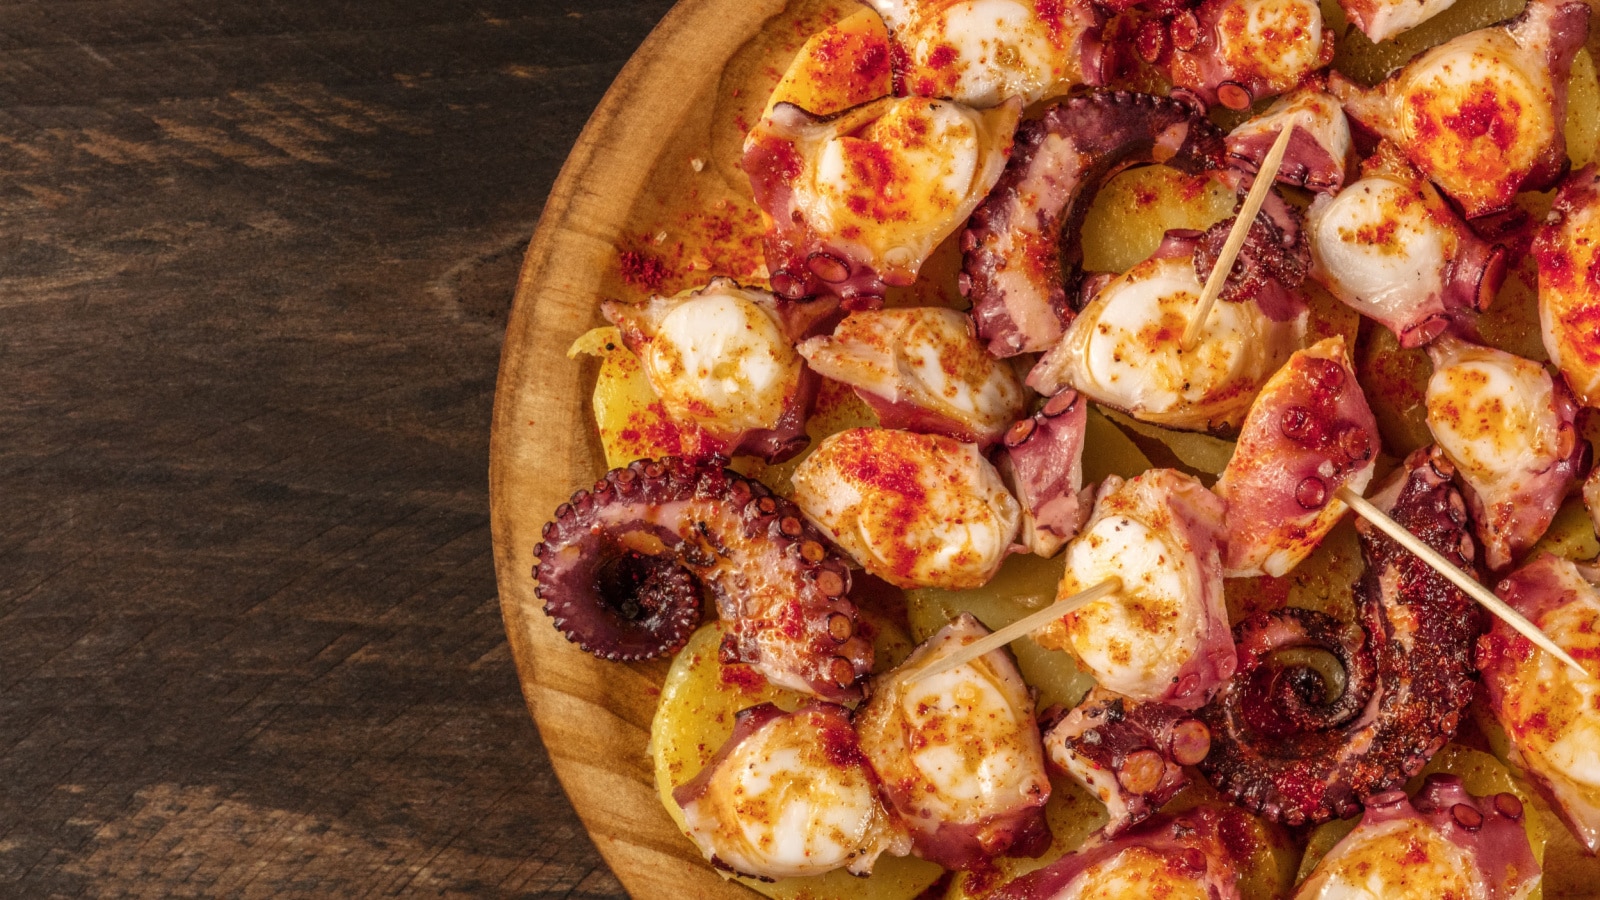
(620, 568)
(1130, 754)
(1043, 464)
(1281, 750)
(1022, 259)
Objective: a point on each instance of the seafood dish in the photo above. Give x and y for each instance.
(1111, 304)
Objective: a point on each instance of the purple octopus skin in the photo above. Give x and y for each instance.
(1319, 151)
(1021, 255)
(1280, 746)
(1043, 463)
(621, 566)
(1128, 754)
(1488, 828)
(1188, 847)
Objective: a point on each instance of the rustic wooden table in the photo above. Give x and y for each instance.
(255, 259)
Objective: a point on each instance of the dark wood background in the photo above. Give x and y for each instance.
(255, 260)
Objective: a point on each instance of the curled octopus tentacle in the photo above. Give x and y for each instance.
(1022, 259)
(1299, 742)
(621, 568)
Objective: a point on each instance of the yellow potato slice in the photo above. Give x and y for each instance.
(1134, 209)
(844, 65)
(1024, 585)
(633, 424)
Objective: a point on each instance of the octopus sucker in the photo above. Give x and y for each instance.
(621, 566)
(1482, 115)
(1301, 743)
(1022, 259)
(1444, 842)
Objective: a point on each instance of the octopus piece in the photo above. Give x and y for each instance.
(1309, 433)
(1509, 429)
(1236, 52)
(921, 369)
(1442, 843)
(1125, 349)
(980, 52)
(958, 753)
(1021, 256)
(1043, 464)
(1163, 636)
(719, 358)
(1272, 262)
(790, 794)
(1380, 20)
(858, 201)
(1128, 754)
(1299, 737)
(1551, 716)
(1184, 856)
(917, 510)
(621, 565)
(1568, 251)
(1482, 115)
(1319, 150)
(1391, 248)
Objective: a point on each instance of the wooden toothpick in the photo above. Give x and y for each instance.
(1006, 635)
(1461, 579)
(1241, 228)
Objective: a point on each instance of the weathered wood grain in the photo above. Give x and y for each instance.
(254, 263)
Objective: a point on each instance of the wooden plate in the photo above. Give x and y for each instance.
(659, 148)
(653, 171)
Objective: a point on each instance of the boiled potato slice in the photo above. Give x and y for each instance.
(844, 65)
(1583, 111)
(1571, 534)
(633, 424)
(1134, 209)
(695, 718)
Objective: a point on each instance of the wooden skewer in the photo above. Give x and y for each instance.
(1024, 625)
(1462, 580)
(1241, 228)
